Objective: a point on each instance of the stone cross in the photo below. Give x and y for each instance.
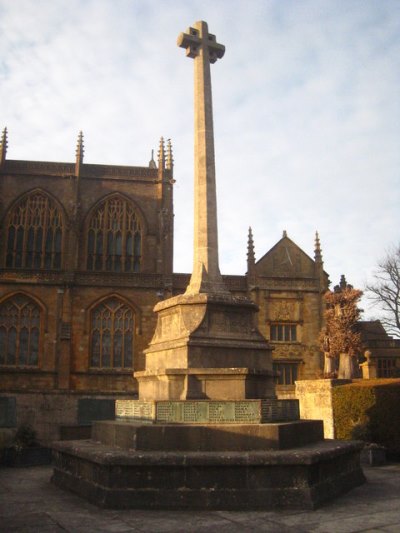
(204, 49)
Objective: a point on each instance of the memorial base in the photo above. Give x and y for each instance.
(115, 478)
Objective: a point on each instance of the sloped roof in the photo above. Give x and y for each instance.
(372, 330)
(285, 259)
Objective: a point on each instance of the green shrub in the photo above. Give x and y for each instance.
(369, 410)
(25, 437)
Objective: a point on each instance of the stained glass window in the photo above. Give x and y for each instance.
(114, 239)
(35, 231)
(112, 335)
(19, 332)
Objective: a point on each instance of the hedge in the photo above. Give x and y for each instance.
(369, 410)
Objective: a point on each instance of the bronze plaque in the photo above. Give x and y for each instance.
(222, 412)
(195, 412)
(169, 412)
(134, 409)
(247, 412)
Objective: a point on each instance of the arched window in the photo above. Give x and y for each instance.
(112, 335)
(34, 238)
(19, 332)
(114, 240)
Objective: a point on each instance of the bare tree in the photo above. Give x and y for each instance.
(384, 291)
(340, 340)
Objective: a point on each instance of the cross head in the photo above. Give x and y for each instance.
(198, 37)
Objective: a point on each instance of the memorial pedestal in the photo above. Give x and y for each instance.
(206, 347)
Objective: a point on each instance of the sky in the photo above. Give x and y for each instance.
(306, 112)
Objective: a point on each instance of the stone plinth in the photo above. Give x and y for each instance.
(117, 478)
(206, 346)
(315, 398)
(369, 370)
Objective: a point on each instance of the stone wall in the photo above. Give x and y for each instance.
(66, 296)
(315, 397)
(48, 412)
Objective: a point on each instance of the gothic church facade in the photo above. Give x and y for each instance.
(86, 251)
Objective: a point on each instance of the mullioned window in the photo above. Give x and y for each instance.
(34, 233)
(19, 332)
(114, 238)
(112, 335)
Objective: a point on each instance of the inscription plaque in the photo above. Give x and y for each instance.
(222, 412)
(169, 412)
(208, 411)
(247, 411)
(135, 410)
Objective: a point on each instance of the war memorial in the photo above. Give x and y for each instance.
(207, 431)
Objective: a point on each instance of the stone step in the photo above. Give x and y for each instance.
(201, 437)
(125, 479)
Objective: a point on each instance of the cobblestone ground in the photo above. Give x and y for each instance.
(30, 503)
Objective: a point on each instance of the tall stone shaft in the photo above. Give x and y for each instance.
(203, 48)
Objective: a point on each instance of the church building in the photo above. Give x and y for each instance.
(86, 251)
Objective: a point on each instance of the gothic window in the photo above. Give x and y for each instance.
(19, 332)
(34, 238)
(112, 335)
(283, 332)
(114, 240)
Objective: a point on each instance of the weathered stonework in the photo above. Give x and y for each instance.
(315, 398)
(206, 343)
(206, 346)
(262, 479)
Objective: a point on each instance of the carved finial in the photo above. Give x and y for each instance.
(317, 249)
(170, 160)
(79, 149)
(251, 260)
(250, 246)
(3, 146)
(152, 163)
(161, 154)
(343, 285)
(284, 234)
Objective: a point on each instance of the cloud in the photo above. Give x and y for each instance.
(306, 111)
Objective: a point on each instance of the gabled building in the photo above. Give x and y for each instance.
(288, 286)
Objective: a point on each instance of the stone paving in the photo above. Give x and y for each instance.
(30, 503)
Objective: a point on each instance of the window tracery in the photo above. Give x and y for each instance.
(114, 239)
(34, 234)
(19, 332)
(112, 335)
